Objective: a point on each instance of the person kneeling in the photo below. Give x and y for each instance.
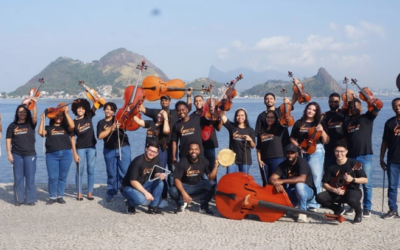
(342, 183)
(136, 187)
(188, 180)
(295, 172)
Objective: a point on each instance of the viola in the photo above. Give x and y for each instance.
(367, 96)
(92, 95)
(310, 144)
(230, 93)
(52, 113)
(29, 102)
(133, 96)
(302, 96)
(155, 88)
(340, 182)
(347, 97)
(287, 119)
(238, 195)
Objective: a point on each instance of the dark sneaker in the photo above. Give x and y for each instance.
(206, 211)
(357, 219)
(339, 211)
(366, 213)
(109, 197)
(51, 201)
(129, 209)
(61, 200)
(18, 204)
(154, 210)
(390, 214)
(312, 209)
(349, 211)
(31, 204)
(180, 209)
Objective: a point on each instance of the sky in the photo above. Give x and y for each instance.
(357, 39)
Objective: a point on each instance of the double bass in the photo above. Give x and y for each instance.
(238, 195)
(302, 96)
(226, 103)
(367, 96)
(30, 102)
(287, 119)
(310, 144)
(92, 95)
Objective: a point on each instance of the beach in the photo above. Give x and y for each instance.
(98, 224)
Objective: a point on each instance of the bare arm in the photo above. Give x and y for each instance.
(41, 131)
(141, 189)
(76, 156)
(174, 144)
(211, 176)
(382, 156)
(9, 154)
(139, 121)
(179, 186)
(34, 115)
(189, 99)
(71, 124)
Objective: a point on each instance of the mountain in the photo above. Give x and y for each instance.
(117, 68)
(320, 85)
(250, 78)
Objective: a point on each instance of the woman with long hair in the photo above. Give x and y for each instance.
(311, 119)
(58, 153)
(20, 142)
(116, 151)
(271, 139)
(84, 148)
(241, 140)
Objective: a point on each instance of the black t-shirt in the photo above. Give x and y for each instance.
(84, 131)
(300, 130)
(191, 173)
(155, 133)
(334, 124)
(261, 119)
(22, 137)
(186, 133)
(57, 138)
(287, 171)
(238, 144)
(336, 170)
(111, 141)
(391, 134)
(172, 119)
(212, 142)
(359, 134)
(140, 169)
(271, 142)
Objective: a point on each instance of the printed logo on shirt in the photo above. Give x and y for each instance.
(291, 174)
(238, 137)
(334, 124)
(147, 171)
(304, 129)
(352, 128)
(20, 131)
(57, 132)
(397, 131)
(191, 173)
(83, 127)
(267, 137)
(189, 131)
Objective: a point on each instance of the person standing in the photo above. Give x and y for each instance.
(58, 153)
(391, 143)
(20, 142)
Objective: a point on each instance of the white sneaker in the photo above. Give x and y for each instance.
(181, 209)
(163, 204)
(302, 218)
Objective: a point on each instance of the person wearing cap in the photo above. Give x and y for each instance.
(294, 173)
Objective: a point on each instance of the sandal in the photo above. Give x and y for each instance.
(90, 196)
(79, 197)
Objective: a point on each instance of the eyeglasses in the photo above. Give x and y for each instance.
(340, 151)
(152, 151)
(22, 112)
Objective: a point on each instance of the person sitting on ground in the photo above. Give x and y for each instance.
(137, 188)
(352, 179)
(295, 172)
(188, 180)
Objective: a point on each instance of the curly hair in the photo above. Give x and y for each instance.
(112, 106)
(80, 103)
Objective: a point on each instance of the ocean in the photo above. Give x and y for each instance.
(253, 107)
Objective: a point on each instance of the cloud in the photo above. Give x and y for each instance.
(333, 26)
(353, 32)
(373, 28)
(365, 29)
(272, 42)
(223, 53)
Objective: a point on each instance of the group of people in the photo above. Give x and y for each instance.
(180, 159)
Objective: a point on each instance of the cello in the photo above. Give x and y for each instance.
(92, 95)
(347, 97)
(226, 103)
(302, 96)
(30, 102)
(133, 97)
(237, 195)
(310, 144)
(367, 96)
(287, 119)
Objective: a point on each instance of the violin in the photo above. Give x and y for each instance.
(92, 95)
(340, 182)
(29, 102)
(347, 97)
(310, 144)
(287, 119)
(302, 96)
(226, 103)
(209, 108)
(133, 97)
(367, 96)
(52, 113)
(155, 88)
(238, 195)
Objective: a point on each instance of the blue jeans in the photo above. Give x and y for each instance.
(269, 168)
(116, 168)
(88, 155)
(24, 178)
(136, 198)
(302, 194)
(204, 188)
(242, 168)
(393, 172)
(316, 162)
(366, 161)
(163, 155)
(58, 164)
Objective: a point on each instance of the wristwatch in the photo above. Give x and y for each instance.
(354, 180)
